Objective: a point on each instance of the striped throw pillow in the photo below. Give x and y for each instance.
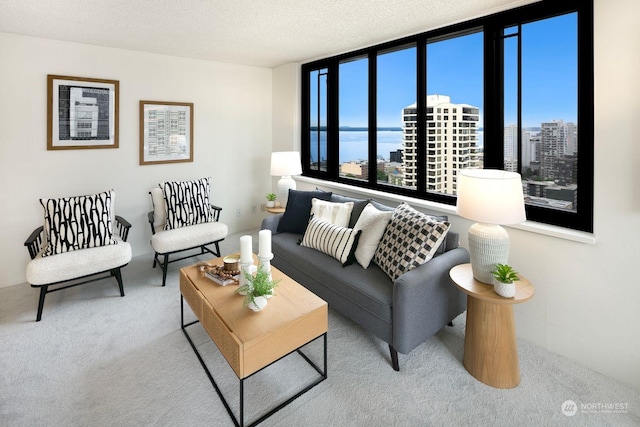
(339, 242)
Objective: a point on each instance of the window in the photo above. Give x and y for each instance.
(511, 91)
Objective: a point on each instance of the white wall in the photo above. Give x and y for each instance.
(586, 305)
(232, 137)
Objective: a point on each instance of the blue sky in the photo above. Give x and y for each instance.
(454, 68)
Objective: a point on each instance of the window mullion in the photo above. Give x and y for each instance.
(421, 116)
(373, 118)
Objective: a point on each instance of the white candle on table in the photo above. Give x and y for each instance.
(246, 253)
(264, 243)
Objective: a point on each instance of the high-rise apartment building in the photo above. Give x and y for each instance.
(557, 139)
(452, 142)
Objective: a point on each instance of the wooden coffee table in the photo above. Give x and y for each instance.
(251, 341)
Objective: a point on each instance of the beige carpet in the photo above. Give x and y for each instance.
(97, 359)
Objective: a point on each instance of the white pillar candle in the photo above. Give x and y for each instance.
(264, 243)
(246, 252)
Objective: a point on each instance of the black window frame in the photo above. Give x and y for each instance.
(492, 26)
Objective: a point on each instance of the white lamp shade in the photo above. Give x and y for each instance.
(490, 196)
(285, 163)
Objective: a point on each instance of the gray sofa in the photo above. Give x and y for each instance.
(404, 313)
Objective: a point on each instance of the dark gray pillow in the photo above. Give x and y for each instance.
(358, 206)
(380, 206)
(296, 216)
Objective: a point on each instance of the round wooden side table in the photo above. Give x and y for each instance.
(275, 210)
(490, 349)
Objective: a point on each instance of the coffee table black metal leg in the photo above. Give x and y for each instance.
(239, 422)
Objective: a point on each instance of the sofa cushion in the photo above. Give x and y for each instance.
(187, 202)
(296, 216)
(370, 289)
(80, 222)
(339, 242)
(70, 265)
(410, 239)
(335, 213)
(372, 222)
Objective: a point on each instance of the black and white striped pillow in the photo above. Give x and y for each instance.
(187, 203)
(339, 242)
(79, 222)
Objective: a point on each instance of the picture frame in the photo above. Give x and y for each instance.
(166, 132)
(82, 113)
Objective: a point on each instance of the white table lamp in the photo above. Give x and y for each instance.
(285, 164)
(491, 197)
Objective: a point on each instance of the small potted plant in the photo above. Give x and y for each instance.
(258, 289)
(271, 200)
(504, 277)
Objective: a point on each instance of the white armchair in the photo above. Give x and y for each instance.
(167, 241)
(77, 244)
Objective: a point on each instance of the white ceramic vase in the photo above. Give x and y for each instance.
(271, 203)
(506, 290)
(258, 303)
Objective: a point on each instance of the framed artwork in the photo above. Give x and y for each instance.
(81, 113)
(166, 132)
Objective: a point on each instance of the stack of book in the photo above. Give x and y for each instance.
(221, 279)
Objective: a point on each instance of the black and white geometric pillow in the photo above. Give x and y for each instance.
(187, 203)
(410, 239)
(79, 222)
(339, 242)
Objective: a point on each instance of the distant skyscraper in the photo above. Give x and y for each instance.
(452, 142)
(395, 156)
(557, 139)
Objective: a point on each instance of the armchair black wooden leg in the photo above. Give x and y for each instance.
(43, 292)
(155, 259)
(217, 248)
(394, 358)
(165, 265)
(450, 324)
(118, 275)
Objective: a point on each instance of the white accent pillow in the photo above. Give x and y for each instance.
(335, 213)
(331, 239)
(372, 222)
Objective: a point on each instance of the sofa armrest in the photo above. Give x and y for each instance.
(271, 223)
(425, 300)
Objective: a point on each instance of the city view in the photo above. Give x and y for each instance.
(548, 139)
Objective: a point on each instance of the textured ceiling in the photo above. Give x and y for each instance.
(265, 33)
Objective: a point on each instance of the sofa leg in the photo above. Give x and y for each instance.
(43, 292)
(118, 275)
(450, 324)
(165, 265)
(394, 358)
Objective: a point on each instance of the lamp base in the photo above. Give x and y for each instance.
(488, 246)
(284, 185)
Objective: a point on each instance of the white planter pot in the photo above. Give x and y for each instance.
(271, 203)
(507, 290)
(258, 303)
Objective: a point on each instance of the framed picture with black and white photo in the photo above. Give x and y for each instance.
(81, 113)
(166, 132)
